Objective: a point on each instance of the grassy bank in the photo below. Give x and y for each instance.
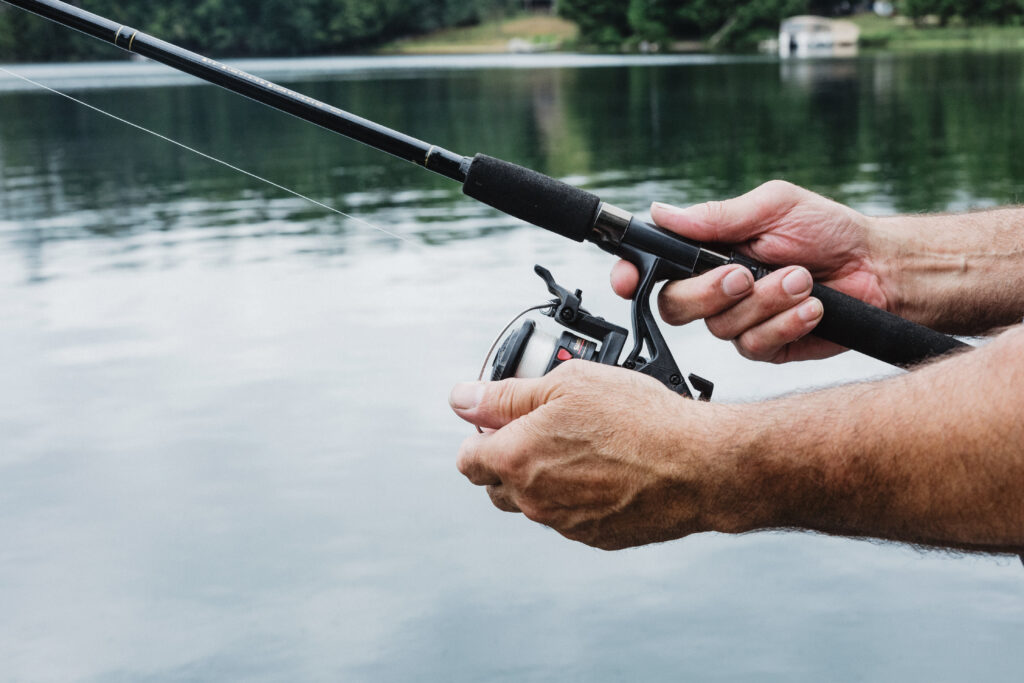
(519, 34)
(899, 33)
(545, 32)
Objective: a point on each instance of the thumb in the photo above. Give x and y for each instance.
(731, 221)
(492, 405)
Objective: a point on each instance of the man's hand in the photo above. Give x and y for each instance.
(605, 456)
(612, 458)
(780, 224)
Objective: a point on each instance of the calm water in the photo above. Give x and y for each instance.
(225, 448)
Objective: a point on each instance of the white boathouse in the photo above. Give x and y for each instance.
(810, 36)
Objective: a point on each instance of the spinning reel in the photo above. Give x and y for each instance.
(532, 352)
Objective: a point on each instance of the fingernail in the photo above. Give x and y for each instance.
(810, 310)
(737, 282)
(797, 282)
(667, 208)
(466, 396)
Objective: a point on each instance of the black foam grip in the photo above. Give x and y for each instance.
(532, 197)
(877, 333)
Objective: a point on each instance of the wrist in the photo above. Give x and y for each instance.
(956, 273)
(888, 249)
(921, 269)
(786, 467)
(742, 471)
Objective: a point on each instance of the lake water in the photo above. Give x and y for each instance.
(225, 446)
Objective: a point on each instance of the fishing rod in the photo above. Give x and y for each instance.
(550, 204)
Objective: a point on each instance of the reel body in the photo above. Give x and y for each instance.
(531, 352)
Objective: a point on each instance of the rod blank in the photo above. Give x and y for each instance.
(380, 137)
(521, 192)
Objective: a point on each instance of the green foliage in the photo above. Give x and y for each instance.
(601, 22)
(758, 18)
(971, 11)
(731, 20)
(225, 27)
(739, 23)
(661, 19)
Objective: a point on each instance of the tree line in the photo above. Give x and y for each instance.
(610, 22)
(736, 23)
(230, 28)
(971, 11)
(312, 27)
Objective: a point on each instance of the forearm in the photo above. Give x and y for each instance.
(933, 457)
(962, 274)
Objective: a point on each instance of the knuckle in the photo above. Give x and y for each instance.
(754, 346)
(669, 307)
(608, 545)
(684, 301)
(777, 187)
(465, 459)
(505, 395)
(512, 463)
(533, 512)
(589, 534)
(517, 462)
(742, 350)
(572, 369)
(501, 500)
(714, 211)
(720, 327)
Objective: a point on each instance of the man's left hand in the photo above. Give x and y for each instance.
(605, 456)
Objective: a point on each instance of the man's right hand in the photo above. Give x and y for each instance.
(778, 224)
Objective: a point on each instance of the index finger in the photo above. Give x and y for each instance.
(497, 458)
(625, 277)
(474, 462)
(684, 301)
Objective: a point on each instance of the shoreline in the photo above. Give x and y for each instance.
(127, 73)
(538, 33)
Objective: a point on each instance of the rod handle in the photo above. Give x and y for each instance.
(532, 197)
(872, 331)
(859, 326)
(572, 212)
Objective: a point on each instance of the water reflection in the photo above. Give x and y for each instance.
(864, 131)
(225, 450)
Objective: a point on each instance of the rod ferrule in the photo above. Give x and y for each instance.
(610, 225)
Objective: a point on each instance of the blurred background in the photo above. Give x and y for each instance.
(225, 446)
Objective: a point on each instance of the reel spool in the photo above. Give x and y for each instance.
(532, 352)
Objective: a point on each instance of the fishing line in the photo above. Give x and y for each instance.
(515, 190)
(212, 158)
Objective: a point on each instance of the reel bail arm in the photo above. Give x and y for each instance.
(565, 309)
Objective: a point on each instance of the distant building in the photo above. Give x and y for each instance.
(810, 36)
